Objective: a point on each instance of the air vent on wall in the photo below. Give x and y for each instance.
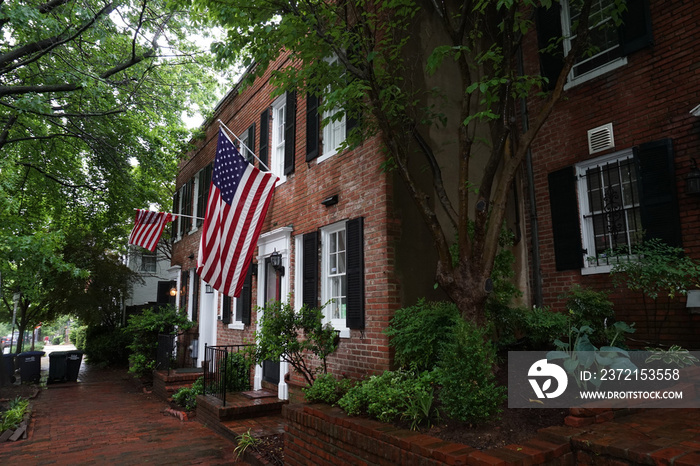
(600, 138)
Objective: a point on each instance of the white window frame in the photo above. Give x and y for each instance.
(279, 109)
(334, 131)
(567, 42)
(587, 234)
(179, 218)
(327, 276)
(151, 255)
(195, 196)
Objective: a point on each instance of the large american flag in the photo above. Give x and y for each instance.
(238, 200)
(148, 228)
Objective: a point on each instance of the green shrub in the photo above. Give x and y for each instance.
(417, 332)
(293, 336)
(543, 326)
(106, 346)
(143, 331)
(187, 396)
(14, 414)
(387, 397)
(77, 336)
(465, 373)
(57, 340)
(238, 372)
(327, 389)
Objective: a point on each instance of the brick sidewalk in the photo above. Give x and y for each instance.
(107, 419)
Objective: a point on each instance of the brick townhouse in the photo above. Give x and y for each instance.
(611, 164)
(344, 228)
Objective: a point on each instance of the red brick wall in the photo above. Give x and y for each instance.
(648, 99)
(364, 190)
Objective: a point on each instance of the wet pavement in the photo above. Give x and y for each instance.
(107, 418)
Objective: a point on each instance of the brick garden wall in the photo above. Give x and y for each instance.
(647, 100)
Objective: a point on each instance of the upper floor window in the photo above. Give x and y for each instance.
(334, 270)
(148, 262)
(333, 127)
(603, 52)
(279, 111)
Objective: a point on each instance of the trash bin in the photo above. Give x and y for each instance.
(8, 368)
(57, 366)
(29, 364)
(73, 360)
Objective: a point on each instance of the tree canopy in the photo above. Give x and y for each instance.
(91, 98)
(439, 81)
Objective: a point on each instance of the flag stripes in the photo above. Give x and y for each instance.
(148, 228)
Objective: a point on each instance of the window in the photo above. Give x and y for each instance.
(202, 187)
(248, 144)
(612, 203)
(609, 204)
(148, 262)
(333, 128)
(609, 43)
(603, 51)
(236, 311)
(279, 109)
(333, 272)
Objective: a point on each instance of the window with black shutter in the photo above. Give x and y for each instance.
(226, 310)
(310, 269)
(606, 46)
(355, 317)
(312, 127)
(263, 152)
(244, 301)
(187, 207)
(290, 120)
(176, 210)
(195, 298)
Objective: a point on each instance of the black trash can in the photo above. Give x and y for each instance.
(57, 366)
(29, 364)
(73, 360)
(8, 368)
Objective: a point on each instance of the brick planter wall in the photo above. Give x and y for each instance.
(322, 435)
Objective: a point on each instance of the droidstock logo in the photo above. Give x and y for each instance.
(543, 370)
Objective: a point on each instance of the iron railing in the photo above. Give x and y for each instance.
(174, 352)
(226, 369)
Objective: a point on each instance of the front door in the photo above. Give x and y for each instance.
(273, 290)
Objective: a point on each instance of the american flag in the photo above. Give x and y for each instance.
(148, 227)
(238, 200)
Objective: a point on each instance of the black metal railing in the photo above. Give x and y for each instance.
(226, 369)
(175, 352)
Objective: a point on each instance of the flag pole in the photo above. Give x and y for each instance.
(221, 123)
(177, 215)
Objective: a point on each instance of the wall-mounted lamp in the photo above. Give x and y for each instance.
(173, 291)
(208, 289)
(276, 262)
(692, 179)
(191, 256)
(331, 200)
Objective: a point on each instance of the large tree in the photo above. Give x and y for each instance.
(91, 98)
(420, 68)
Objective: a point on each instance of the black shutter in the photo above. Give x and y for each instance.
(312, 127)
(195, 298)
(176, 210)
(355, 317)
(657, 191)
(566, 228)
(243, 303)
(548, 31)
(290, 131)
(226, 310)
(184, 289)
(187, 207)
(264, 138)
(251, 145)
(310, 270)
(635, 32)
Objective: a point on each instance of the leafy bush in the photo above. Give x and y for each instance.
(57, 341)
(417, 332)
(14, 414)
(107, 346)
(187, 396)
(543, 326)
(238, 366)
(143, 330)
(77, 336)
(465, 373)
(292, 336)
(327, 389)
(387, 397)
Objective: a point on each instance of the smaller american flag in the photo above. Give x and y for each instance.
(148, 228)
